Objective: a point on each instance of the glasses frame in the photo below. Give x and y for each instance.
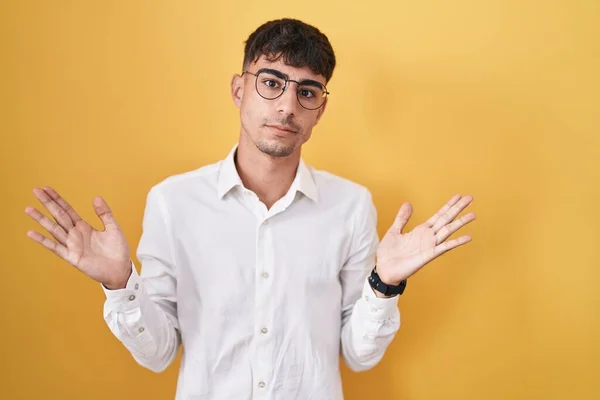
(282, 76)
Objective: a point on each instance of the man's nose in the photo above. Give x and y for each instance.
(287, 103)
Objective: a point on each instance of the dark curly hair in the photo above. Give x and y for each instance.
(300, 45)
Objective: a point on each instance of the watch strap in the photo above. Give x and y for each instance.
(386, 290)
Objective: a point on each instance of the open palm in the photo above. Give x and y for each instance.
(401, 255)
(102, 255)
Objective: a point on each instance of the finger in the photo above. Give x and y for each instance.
(401, 218)
(431, 221)
(51, 245)
(59, 214)
(449, 245)
(452, 227)
(449, 215)
(104, 212)
(63, 204)
(55, 229)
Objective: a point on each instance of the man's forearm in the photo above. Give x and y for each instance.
(369, 330)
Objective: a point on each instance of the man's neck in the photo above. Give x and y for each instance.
(269, 177)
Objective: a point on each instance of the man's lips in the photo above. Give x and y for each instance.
(281, 128)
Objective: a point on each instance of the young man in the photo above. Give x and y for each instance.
(262, 267)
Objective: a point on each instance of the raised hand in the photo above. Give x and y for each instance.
(102, 255)
(401, 255)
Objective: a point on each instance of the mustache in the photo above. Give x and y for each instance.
(286, 123)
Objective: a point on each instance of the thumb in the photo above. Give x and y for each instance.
(402, 217)
(104, 212)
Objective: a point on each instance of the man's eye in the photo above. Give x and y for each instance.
(306, 93)
(270, 83)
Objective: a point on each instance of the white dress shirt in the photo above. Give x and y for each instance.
(261, 300)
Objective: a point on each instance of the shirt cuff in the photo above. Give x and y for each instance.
(128, 296)
(378, 308)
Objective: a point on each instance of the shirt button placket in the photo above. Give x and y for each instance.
(263, 307)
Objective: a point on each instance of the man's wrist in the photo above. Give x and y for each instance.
(122, 282)
(385, 278)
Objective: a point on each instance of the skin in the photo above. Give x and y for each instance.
(272, 133)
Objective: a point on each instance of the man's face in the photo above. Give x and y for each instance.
(277, 127)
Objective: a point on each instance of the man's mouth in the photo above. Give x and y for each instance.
(282, 128)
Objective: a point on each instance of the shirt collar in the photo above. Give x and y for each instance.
(229, 178)
(228, 175)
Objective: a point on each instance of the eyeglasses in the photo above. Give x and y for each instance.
(270, 84)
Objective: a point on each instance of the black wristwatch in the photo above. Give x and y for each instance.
(386, 290)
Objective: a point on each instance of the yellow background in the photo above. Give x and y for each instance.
(496, 99)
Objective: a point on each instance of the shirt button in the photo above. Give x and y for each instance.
(264, 330)
(132, 297)
(265, 274)
(266, 222)
(141, 329)
(261, 384)
(137, 286)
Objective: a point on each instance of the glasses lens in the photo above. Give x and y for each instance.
(311, 96)
(269, 86)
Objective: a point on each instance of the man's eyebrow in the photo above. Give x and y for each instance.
(310, 82)
(278, 74)
(281, 75)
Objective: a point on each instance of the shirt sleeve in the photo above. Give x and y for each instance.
(143, 315)
(369, 323)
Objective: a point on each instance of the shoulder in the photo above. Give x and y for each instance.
(337, 189)
(200, 179)
(349, 200)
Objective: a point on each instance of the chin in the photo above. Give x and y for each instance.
(275, 148)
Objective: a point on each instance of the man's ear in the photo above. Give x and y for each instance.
(321, 110)
(237, 89)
